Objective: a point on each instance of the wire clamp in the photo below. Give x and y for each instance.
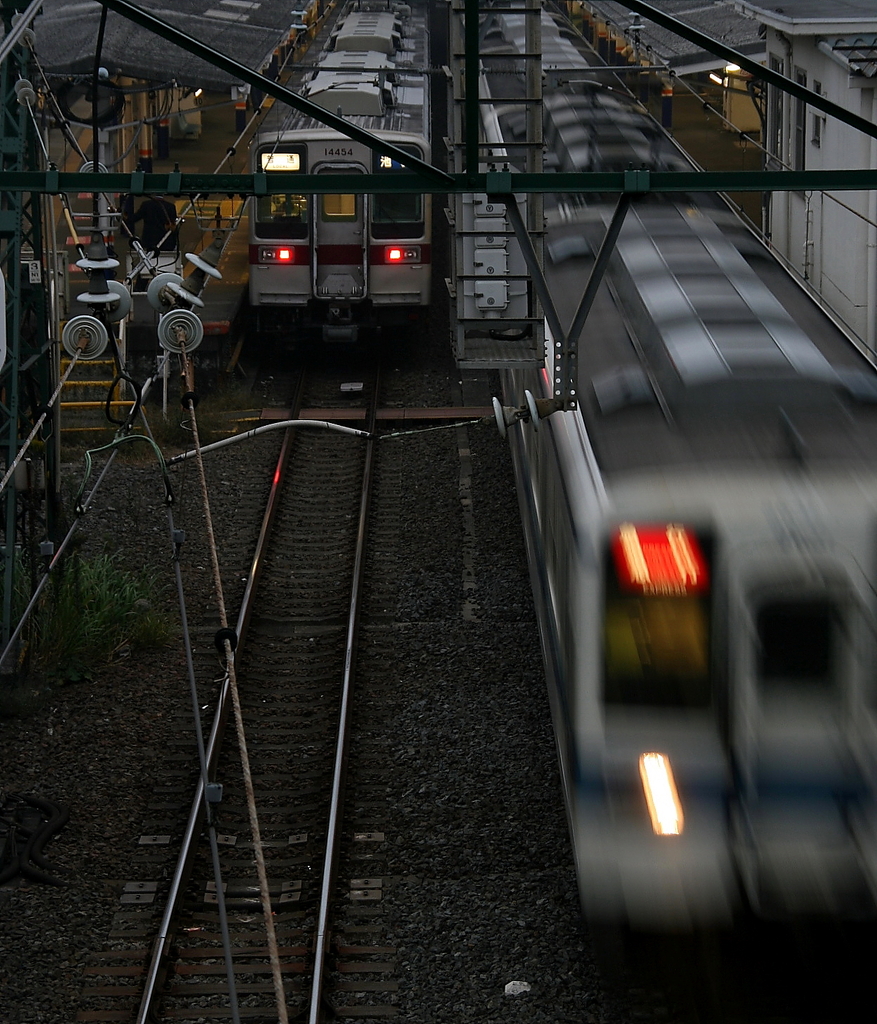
(226, 633)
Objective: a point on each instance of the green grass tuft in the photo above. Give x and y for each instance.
(90, 611)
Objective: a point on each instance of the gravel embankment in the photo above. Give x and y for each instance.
(485, 888)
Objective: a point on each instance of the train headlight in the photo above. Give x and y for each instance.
(659, 786)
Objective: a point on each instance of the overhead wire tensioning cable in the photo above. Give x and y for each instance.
(177, 538)
(261, 870)
(29, 439)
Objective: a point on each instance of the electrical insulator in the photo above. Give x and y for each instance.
(178, 328)
(86, 331)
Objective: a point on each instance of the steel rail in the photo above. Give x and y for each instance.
(156, 970)
(339, 777)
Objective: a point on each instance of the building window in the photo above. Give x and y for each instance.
(774, 141)
(799, 128)
(818, 120)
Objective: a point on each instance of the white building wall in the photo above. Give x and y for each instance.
(828, 239)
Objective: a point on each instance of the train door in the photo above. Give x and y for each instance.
(802, 660)
(340, 267)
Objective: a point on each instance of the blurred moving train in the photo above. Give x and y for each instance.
(702, 534)
(336, 267)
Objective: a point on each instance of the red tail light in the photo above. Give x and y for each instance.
(273, 254)
(659, 559)
(402, 254)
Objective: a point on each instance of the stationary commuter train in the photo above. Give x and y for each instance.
(339, 267)
(702, 534)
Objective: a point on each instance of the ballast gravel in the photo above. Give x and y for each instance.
(483, 908)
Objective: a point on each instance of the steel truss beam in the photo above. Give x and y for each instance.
(30, 366)
(178, 183)
(431, 179)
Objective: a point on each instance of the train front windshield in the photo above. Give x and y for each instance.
(396, 214)
(282, 216)
(657, 618)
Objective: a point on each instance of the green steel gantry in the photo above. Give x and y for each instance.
(29, 500)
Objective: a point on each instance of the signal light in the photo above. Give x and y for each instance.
(284, 255)
(394, 255)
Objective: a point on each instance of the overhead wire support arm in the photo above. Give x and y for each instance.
(272, 88)
(566, 342)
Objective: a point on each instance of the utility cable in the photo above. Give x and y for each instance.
(29, 860)
(29, 439)
(261, 870)
(114, 446)
(279, 425)
(480, 421)
(82, 507)
(177, 539)
(246, 435)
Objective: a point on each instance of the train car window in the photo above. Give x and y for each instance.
(657, 652)
(282, 216)
(656, 640)
(395, 211)
(396, 215)
(797, 643)
(337, 208)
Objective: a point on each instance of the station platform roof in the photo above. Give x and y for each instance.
(815, 16)
(717, 18)
(248, 31)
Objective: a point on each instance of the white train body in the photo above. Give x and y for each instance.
(338, 266)
(702, 532)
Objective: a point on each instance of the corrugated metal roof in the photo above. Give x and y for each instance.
(716, 18)
(815, 11)
(246, 30)
(859, 52)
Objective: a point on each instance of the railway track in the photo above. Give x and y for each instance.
(474, 869)
(383, 897)
(296, 668)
